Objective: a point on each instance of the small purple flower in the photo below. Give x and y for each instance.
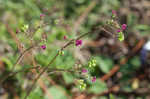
(17, 31)
(78, 42)
(124, 26)
(94, 79)
(42, 15)
(114, 12)
(118, 30)
(43, 47)
(65, 37)
(84, 70)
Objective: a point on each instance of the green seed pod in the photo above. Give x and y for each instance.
(80, 81)
(61, 52)
(24, 28)
(120, 36)
(110, 22)
(92, 63)
(83, 86)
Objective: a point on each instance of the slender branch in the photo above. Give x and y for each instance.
(17, 62)
(14, 37)
(122, 61)
(59, 70)
(49, 70)
(21, 56)
(83, 16)
(14, 73)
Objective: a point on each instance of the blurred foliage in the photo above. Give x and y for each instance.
(20, 12)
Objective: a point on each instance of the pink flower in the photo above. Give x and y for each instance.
(42, 15)
(94, 79)
(84, 71)
(118, 30)
(17, 31)
(78, 42)
(43, 47)
(124, 26)
(65, 37)
(114, 12)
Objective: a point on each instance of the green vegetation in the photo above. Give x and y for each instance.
(105, 63)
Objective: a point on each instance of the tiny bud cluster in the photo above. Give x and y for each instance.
(81, 83)
(92, 63)
(115, 24)
(24, 28)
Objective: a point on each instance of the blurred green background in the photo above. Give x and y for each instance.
(72, 18)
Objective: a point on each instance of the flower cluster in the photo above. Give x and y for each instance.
(120, 32)
(114, 14)
(120, 35)
(112, 22)
(87, 76)
(120, 29)
(94, 79)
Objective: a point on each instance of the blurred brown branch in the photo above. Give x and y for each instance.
(123, 61)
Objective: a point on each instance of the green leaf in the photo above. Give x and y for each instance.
(132, 19)
(105, 64)
(142, 27)
(97, 87)
(135, 62)
(56, 93)
(8, 62)
(112, 96)
(36, 94)
(68, 78)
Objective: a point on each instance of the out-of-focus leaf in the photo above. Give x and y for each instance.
(144, 29)
(8, 62)
(105, 64)
(127, 88)
(65, 62)
(102, 97)
(98, 87)
(68, 78)
(111, 96)
(131, 20)
(135, 62)
(57, 93)
(36, 94)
